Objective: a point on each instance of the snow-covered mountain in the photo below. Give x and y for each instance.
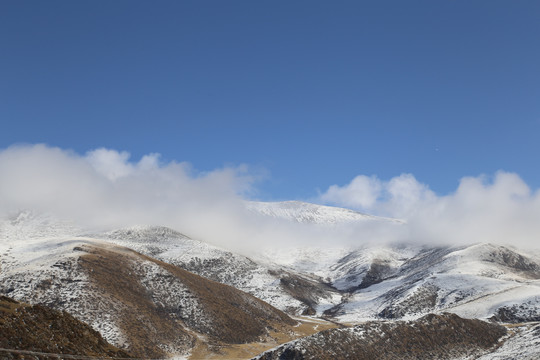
(266, 281)
(138, 303)
(154, 276)
(410, 280)
(475, 281)
(478, 281)
(303, 212)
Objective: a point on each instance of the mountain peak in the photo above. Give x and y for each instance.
(145, 232)
(304, 212)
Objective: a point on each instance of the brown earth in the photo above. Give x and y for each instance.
(41, 329)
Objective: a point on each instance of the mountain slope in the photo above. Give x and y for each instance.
(148, 307)
(523, 344)
(266, 281)
(40, 329)
(399, 280)
(472, 281)
(444, 336)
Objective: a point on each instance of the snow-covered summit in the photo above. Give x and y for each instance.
(304, 212)
(145, 233)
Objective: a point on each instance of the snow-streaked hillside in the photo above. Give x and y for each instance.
(523, 343)
(149, 307)
(357, 284)
(263, 280)
(344, 267)
(477, 281)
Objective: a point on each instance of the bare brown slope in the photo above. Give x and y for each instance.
(38, 328)
(144, 326)
(445, 336)
(237, 317)
(164, 307)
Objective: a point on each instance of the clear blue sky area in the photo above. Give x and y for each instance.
(316, 92)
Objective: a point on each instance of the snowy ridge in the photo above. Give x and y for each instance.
(46, 271)
(466, 281)
(303, 212)
(477, 281)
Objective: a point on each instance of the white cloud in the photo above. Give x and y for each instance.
(501, 209)
(361, 192)
(404, 194)
(105, 189)
(112, 164)
(396, 197)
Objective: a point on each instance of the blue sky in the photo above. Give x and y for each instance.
(313, 92)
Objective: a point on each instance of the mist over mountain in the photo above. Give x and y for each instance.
(79, 232)
(104, 190)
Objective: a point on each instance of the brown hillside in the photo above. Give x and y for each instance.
(164, 308)
(40, 329)
(444, 336)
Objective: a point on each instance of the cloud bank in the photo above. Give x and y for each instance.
(500, 209)
(105, 189)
